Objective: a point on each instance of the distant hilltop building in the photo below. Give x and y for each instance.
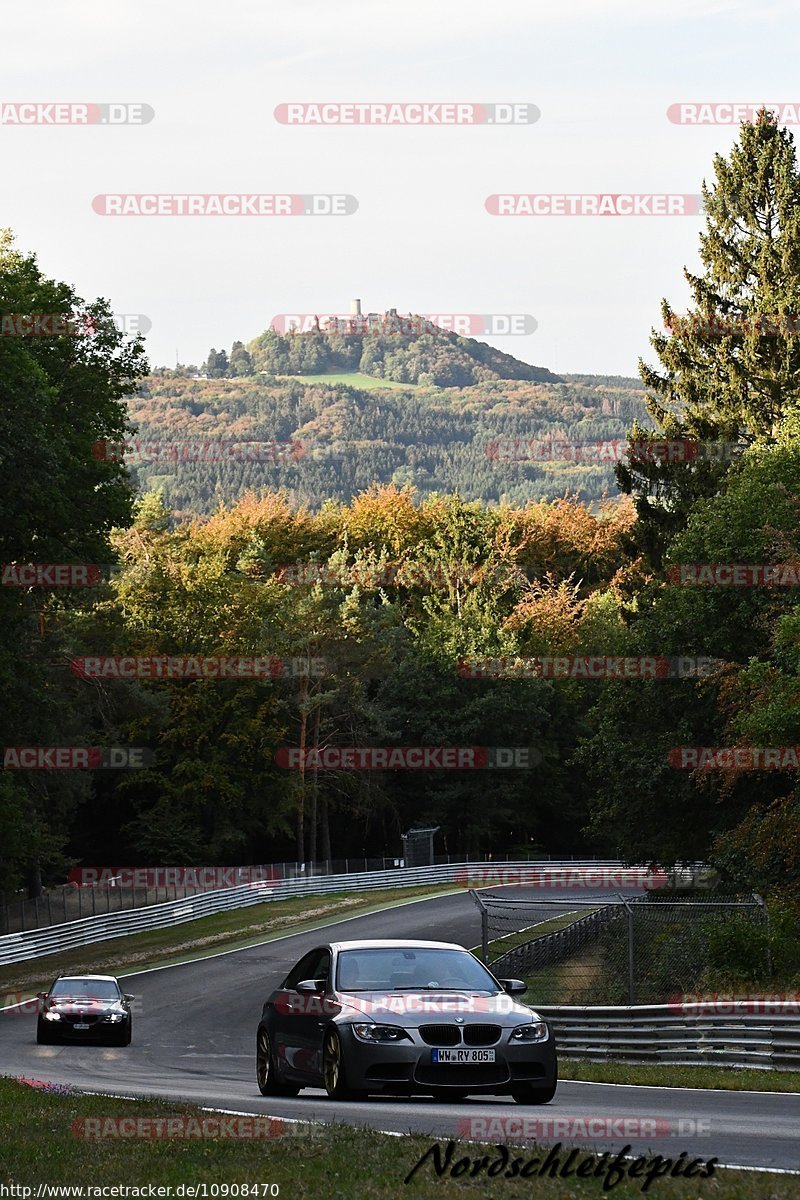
(372, 318)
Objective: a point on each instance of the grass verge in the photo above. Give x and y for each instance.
(365, 383)
(223, 931)
(337, 1162)
(724, 1078)
(510, 941)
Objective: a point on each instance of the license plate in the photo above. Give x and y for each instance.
(81, 1025)
(462, 1056)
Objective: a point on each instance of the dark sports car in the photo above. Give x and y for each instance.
(402, 1017)
(85, 1008)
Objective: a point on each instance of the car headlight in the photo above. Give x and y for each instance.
(114, 1017)
(535, 1032)
(52, 1016)
(367, 1032)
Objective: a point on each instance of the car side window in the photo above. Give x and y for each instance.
(314, 965)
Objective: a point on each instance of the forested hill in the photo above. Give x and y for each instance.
(404, 349)
(355, 430)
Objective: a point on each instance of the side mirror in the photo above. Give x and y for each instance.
(311, 985)
(41, 995)
(514, 987)
(128, 998)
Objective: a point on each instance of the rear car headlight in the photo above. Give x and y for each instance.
(52, 1016)
(535, 1032)
(367, 1032)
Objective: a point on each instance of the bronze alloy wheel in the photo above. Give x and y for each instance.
(333, 1070)
(267, 1078)
(263, 1062)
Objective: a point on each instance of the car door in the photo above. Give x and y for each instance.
(300, 1019)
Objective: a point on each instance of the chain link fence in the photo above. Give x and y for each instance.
(72, 902)
(651, 949)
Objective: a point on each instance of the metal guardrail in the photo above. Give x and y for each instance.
(553, 947)
(35, 943)
(759, 1034)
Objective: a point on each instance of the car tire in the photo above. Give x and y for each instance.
(528, 1093)
(334, 1071)
(123, 1038)
(267, 1077)
(44, 1035)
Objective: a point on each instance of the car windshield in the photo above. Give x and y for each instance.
(397, 970)
(84, 989)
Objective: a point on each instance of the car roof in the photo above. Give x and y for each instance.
(396, 944)
(88, 978)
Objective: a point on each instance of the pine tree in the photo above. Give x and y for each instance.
(731, 365)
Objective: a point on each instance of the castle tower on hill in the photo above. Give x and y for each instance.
(355, 308)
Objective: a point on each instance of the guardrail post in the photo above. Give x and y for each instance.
(759, 900)
(631, 957)
(484, 925)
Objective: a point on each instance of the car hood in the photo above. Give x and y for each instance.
(431, 1007)
(77, 1007)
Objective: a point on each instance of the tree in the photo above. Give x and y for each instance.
(731, 366)
(240, 361)
(61, 394)
(216, 365)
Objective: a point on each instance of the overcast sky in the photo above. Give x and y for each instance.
(602, 72)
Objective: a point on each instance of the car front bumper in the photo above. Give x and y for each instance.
(97, 1031)
(409, 1066)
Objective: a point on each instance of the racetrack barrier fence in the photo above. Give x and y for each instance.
(35, 943)
(91, 893)
(624, 949)
(717, 1032)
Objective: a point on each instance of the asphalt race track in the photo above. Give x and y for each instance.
(194, 1041)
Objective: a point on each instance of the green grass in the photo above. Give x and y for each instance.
(511, 940)
(355, 379)
(719, 1078)
(334, 1162)
(207, 935)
